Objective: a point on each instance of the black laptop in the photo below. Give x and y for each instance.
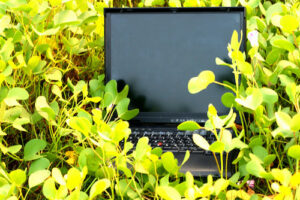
(156, 51)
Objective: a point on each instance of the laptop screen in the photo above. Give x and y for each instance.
(157, 51)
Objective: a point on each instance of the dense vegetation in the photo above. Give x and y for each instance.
(58, 139)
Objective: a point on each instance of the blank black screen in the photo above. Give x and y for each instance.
(157, 53)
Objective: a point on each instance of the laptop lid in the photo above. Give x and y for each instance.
(157, 50)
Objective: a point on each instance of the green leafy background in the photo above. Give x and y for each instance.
(58, 136)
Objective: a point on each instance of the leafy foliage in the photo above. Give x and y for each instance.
(61, 126)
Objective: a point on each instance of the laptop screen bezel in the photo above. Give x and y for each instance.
(164, 117)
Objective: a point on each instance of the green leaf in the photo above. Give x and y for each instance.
(254, 167)
(245, 67)
(252, 101)
(49, 190)
(294, 152)
(7, 50)
(19, 122)
(269, 95)
(38, 177)
(123, 94)
(295, 123)
(18, 177)
(200, 141)
(237, 143)
(220, 185)
(123, 112)
(169, 162)
(98, 187)
(74, 178)
(217, 147)
(83, 5)
(221, 62)
(15, 94)
(273, 56)
(269, 159)
(199, 83)
(65, 17)
(227, 140)
(283, 120)
(80, 124)
(14, 149)
(228, 99)
(186, 157)
(35, 65)
(141, 148)
(188, 126)
(283, 44)
(44, 109)
(272, 10)
(235, 41)
(32, 148)
(168, 193)
(39, 164)
(260, 152)
(289, 23)
(54, 75)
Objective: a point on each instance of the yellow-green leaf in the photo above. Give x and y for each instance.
(199, 83)
(98, 187)
(168, 193)
(289, 23)
(74, 178)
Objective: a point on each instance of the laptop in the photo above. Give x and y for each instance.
(156, 51)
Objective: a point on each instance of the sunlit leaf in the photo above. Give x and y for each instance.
(38, 177)
(200, 141)
(199, 83)
(18, 177)
(289, 23)
(65, 17)
(283, 120)
(49, 189)
(98, 187)
(217, 147)
(74, 178)
(141, 148)
(169, 162)
(168, 193)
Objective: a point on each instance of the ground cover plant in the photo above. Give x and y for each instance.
(58, 137)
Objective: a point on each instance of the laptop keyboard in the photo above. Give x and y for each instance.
(171, 139)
